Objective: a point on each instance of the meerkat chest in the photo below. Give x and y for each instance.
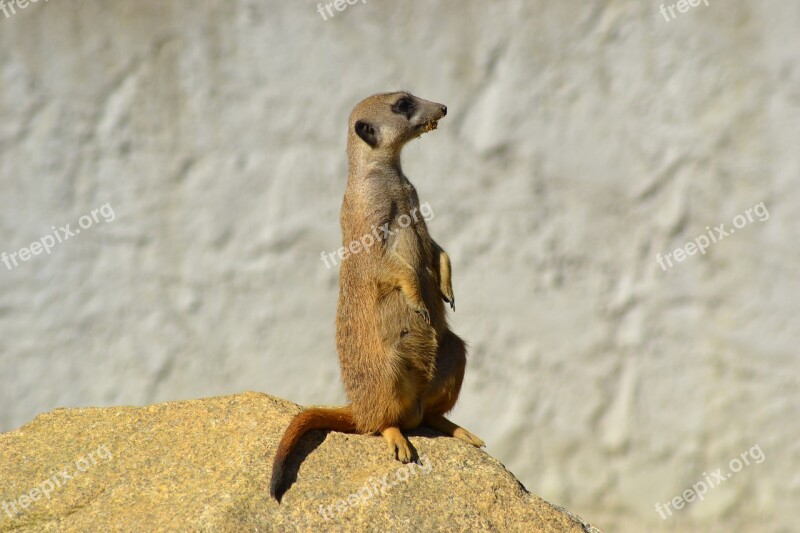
(406, 210)
(409, 195)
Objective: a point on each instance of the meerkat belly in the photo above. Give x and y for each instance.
(407, 339)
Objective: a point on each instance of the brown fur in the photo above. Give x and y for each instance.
(401, 365)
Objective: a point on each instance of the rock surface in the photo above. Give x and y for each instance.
(205, 465)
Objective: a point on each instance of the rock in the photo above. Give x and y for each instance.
(205, 465)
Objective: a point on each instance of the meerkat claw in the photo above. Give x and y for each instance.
(402, 453)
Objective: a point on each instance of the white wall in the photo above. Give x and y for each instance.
(582, 140)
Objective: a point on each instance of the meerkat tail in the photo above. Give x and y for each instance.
(336, 419)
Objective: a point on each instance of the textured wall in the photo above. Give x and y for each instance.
(582, 141)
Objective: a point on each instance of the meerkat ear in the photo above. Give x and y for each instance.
(367, 133)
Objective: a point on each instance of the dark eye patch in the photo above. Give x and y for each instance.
(404, 106)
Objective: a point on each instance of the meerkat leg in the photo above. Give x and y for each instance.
(440, 423)
(409, 284)
(451, 361)
(398, 444)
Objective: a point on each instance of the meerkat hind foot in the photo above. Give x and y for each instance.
(463, 434)
(398, 444)
(440, 423)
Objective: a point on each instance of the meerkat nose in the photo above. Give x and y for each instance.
(444, 110)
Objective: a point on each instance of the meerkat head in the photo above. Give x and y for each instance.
(386, 122)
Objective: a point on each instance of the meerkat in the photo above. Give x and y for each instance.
(401, 365)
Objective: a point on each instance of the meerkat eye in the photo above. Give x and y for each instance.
(404, 106)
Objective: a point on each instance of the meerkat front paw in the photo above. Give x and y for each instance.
(447, 293)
